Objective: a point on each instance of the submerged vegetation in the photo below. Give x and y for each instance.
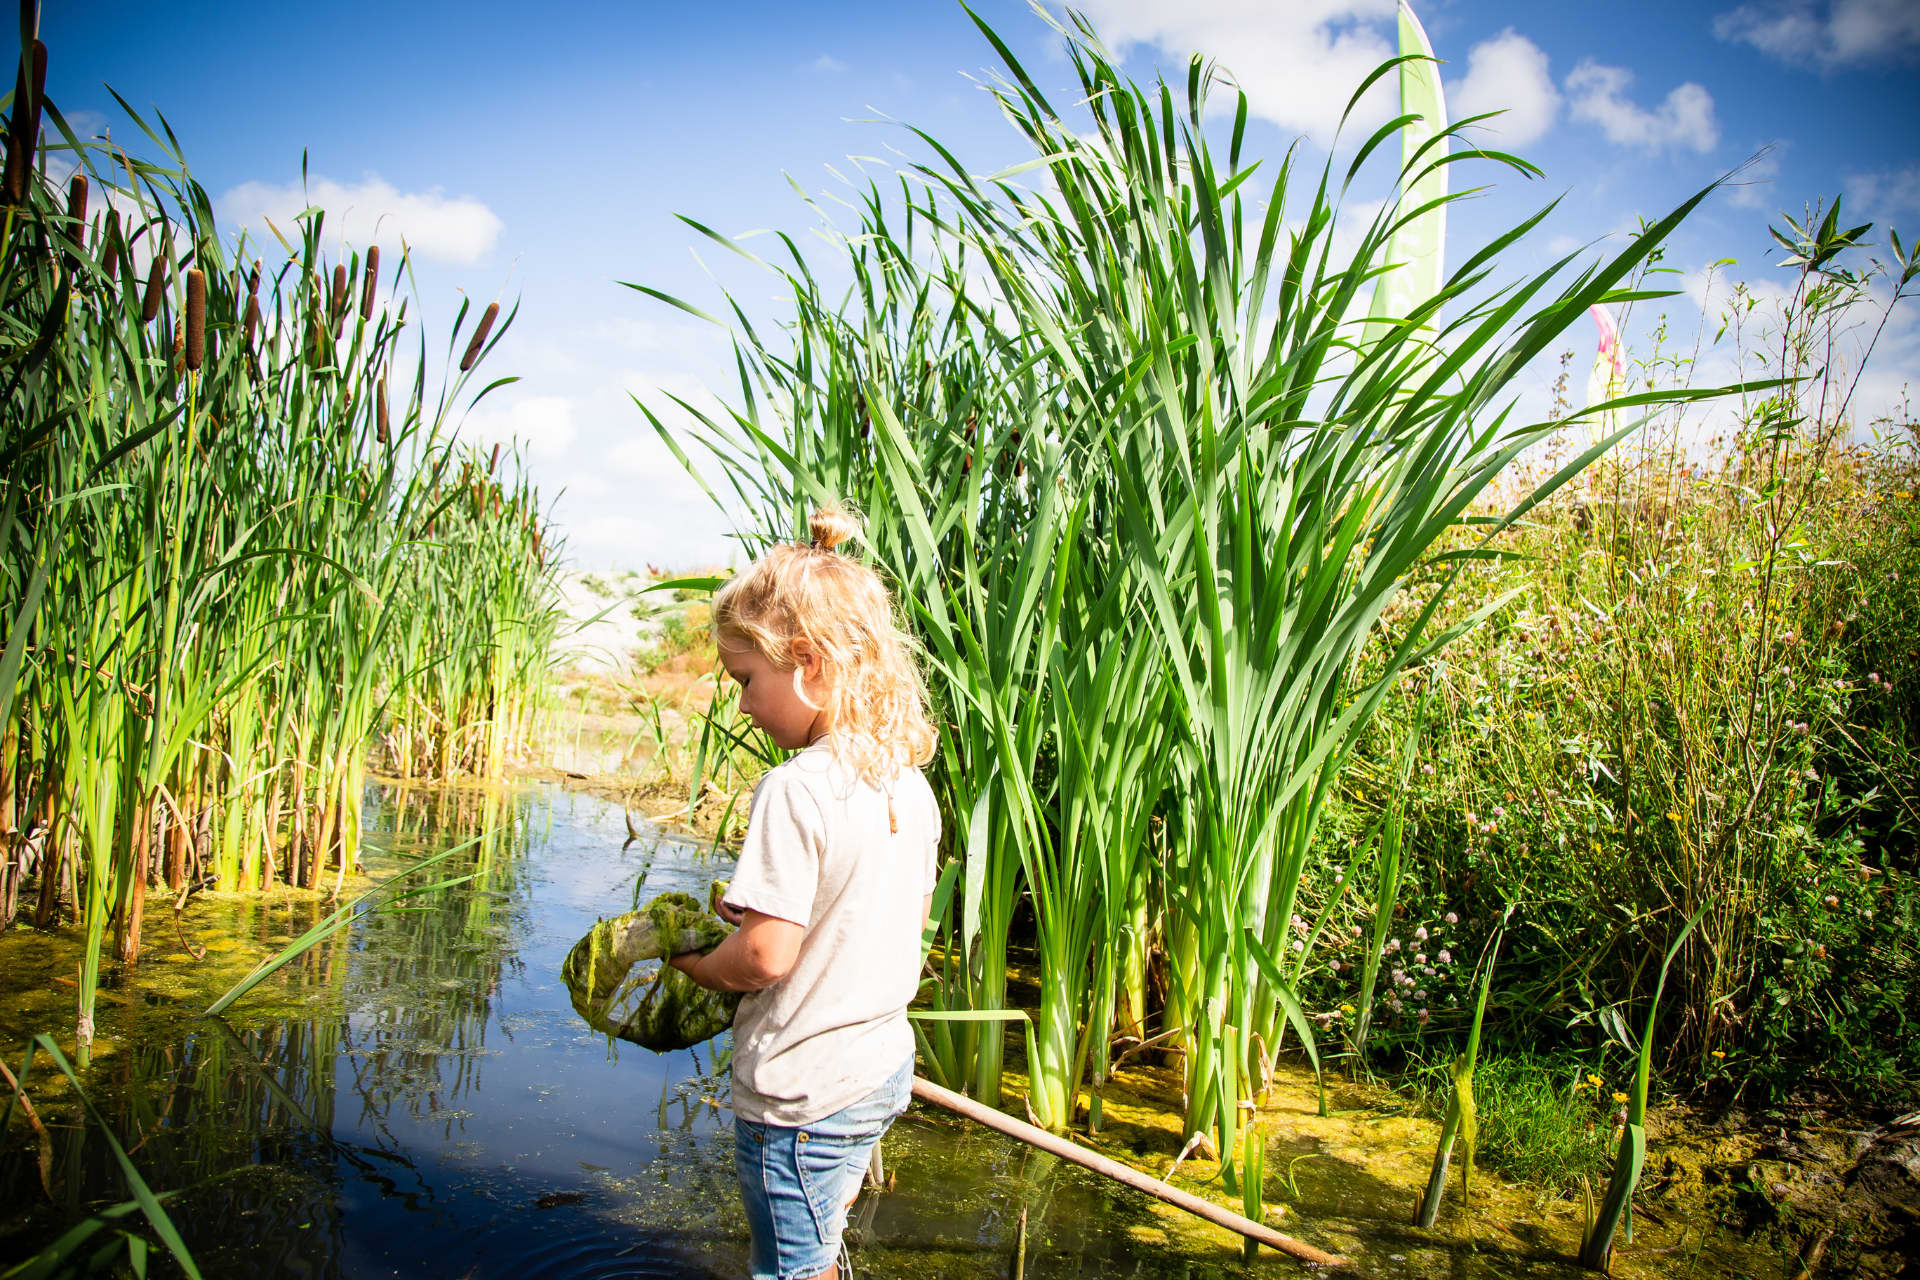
(242, 550)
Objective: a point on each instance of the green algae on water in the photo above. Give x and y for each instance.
(654, 1006)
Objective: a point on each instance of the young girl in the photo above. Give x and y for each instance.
(830, 894)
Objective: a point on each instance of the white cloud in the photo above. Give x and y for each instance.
(1507, 73)
(545, 424)
(434, 225)
(1299, 62)
(827, 62)
(1842, 32)
(1685, 119)
(1885, 195)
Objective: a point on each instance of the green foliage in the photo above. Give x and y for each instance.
(232, 565)
(1543, 1122)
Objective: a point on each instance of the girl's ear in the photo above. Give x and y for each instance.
(806, 659)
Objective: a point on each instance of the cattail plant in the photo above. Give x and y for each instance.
(196, 351)
(156, 286)
(109, 247)
(479, 338)
(370, 282)
(23, 132)
(77, 210)
(182, 679)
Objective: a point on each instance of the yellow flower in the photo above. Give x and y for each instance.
(1618, 1096)
(1719, 1053)
(1672, 816)
(1593, 1080)
(1346, 1008)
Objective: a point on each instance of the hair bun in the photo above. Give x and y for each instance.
(832, 525)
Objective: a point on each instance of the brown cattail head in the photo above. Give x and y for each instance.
(381, 431)
(108, 245)
(479, 338)
(253, 278)
(23, 129)
(253, 319)
(156, 288)
(13, 185)
(337, 300)
(370, 282)
(77, 209)
(493, 463)
(196, 318)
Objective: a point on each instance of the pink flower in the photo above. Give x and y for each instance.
(1446, 957)
(1452, 918)
(1420, 934)
(1334, 965)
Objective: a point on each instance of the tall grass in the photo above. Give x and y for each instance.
(1148, 467)
(233, 564)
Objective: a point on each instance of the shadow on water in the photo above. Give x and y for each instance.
(419, 1099)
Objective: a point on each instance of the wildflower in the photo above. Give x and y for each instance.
(1578, 1085)
(1593, 1080)
(1420, 934)
(1420, 957)
(1346, 1008)
(1451, 918)
(1421, 994)
(1423, 1017)
(1812, 776)
(1430, 971)
(1831, 900)
(1499, 811)
(1334, 965)
(1299, 946)
(1618, 1096)
(1719, 1053)
(1356, 931)
(1446, 957)
(1867, 914)
(1427, 769)
(1873, 677)
(1393, 944)
(1298, 923)
(1672, 816)
(1820, 951)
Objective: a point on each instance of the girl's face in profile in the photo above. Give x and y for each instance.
(787, 703)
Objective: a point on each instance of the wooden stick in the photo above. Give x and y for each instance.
(927, 1091)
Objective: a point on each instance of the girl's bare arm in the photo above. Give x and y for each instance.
(758, 954)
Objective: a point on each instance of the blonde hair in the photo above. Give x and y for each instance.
(876, 700)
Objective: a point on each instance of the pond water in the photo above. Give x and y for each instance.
(417, 1098)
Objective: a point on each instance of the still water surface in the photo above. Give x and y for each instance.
(418, 1099)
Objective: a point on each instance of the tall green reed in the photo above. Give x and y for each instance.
(1131, 418)
(232, 565)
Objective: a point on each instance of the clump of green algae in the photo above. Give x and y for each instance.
(661, 1008)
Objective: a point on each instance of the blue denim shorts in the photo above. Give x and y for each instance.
(797, 1182)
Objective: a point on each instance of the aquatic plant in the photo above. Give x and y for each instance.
(1115, 415)
(231, 570)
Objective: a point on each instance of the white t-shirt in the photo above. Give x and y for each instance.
(821, 852)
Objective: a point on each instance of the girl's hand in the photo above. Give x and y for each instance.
(735, 916)
(687, 961)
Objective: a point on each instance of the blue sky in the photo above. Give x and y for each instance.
(541, 153)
